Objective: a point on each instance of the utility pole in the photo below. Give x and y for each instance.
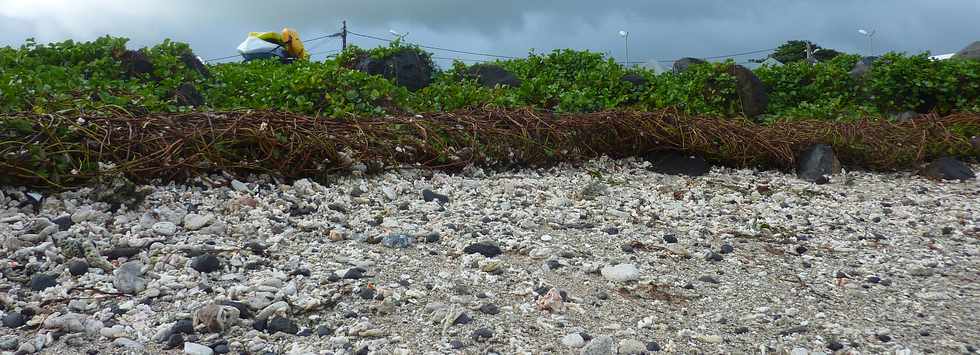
(343, 36)
(809, 53)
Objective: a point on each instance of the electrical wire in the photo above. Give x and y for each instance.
(437, 48)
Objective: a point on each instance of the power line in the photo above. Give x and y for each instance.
(438, 48)
(724, 56)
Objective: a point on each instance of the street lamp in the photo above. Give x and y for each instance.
(398, 35)
(626, 35)
(870, 35)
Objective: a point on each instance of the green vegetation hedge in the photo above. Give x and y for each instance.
(93, 77)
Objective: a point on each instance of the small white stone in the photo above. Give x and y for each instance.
(573, 340)
(631, 346)
(197, 349)
(546, 238)
(621, 272)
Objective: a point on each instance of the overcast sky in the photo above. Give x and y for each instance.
(658, 29)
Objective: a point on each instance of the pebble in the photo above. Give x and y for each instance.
(42, 281)
(573, 340)
(174, 341)
(429, 196)
(483, 248)
(397, 241)
(653, 346)
(239, 186)
(835, 345)
(195, 221)
(77, 267)
(26, 348)
(603, 345)
(282, 324)
(127, 343)
(9, 342)
(116, 331)
(490, 309)
(197, 349)
(14, 320)
(727, 249)
(482, 335)
(183, 326)
(631, 347)
(221, 349)
(324, 330)
(165, 229)
(621, 273)
(712, 256)
(670, 239)
(205, 263)
(128, 278)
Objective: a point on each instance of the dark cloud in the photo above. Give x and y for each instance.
(658, 29)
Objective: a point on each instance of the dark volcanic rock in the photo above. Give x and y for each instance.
(188, 95)
(280, 324)
(491, 75)
(634, 79)
(484, 248)
(947, 168)
(120, 252)
(751, 92)
(192, 62)
(77, 267)
(429, 196)
(205, 263)
(406, 68)
(41, 281)
(136, 63)
(14, 320)
(677, 163)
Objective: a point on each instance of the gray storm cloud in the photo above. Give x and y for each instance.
(658, 29)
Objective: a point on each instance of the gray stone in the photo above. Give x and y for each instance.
(195, 221)
(9, 342)
(818, 162)
(164, 228)
(129, 278)
(862, 67)
(631, 347)
(573, 340)
(603, 345)
(239, 186)
(397, 241)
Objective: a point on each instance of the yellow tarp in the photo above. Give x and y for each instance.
(288, 39)
(274, 37)
(293, 45)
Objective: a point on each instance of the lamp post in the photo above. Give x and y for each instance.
(398, 35)
(626, 35)
(870, 35)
